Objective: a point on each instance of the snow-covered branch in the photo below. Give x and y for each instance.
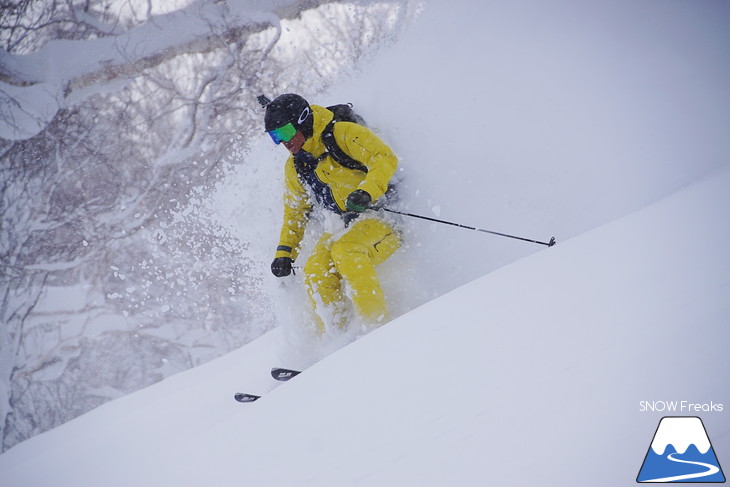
(63, 73)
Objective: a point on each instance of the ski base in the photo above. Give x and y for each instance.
(283, 374)
(243, 397)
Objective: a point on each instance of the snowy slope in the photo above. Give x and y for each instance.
(537, 118)
(531, 375)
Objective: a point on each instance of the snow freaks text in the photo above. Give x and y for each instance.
(680, 407)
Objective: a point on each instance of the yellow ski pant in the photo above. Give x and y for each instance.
(352, 258)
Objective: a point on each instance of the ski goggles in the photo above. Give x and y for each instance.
(283, 134)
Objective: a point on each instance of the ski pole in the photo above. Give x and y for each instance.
(549, 244)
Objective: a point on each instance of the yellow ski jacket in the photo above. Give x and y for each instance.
(310, 180)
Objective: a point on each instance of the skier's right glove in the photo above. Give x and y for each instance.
(281, 267)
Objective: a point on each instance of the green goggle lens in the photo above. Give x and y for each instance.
(283, 134)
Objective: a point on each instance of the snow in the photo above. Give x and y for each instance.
(537, 119)
(531, 373)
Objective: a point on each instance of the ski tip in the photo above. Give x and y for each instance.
(283, 374)
(243, 397)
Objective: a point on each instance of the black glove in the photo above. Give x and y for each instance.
(358, 200)
(281, 266)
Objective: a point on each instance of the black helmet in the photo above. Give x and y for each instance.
(289, 108)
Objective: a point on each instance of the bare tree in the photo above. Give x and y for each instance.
(111, 277)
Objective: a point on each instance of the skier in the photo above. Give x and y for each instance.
(352, 188)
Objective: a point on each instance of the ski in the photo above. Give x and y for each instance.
(283, 374)
(243, 397)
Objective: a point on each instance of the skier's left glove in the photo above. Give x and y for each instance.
(359, 200)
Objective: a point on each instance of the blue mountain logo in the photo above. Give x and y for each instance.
(680, 452)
